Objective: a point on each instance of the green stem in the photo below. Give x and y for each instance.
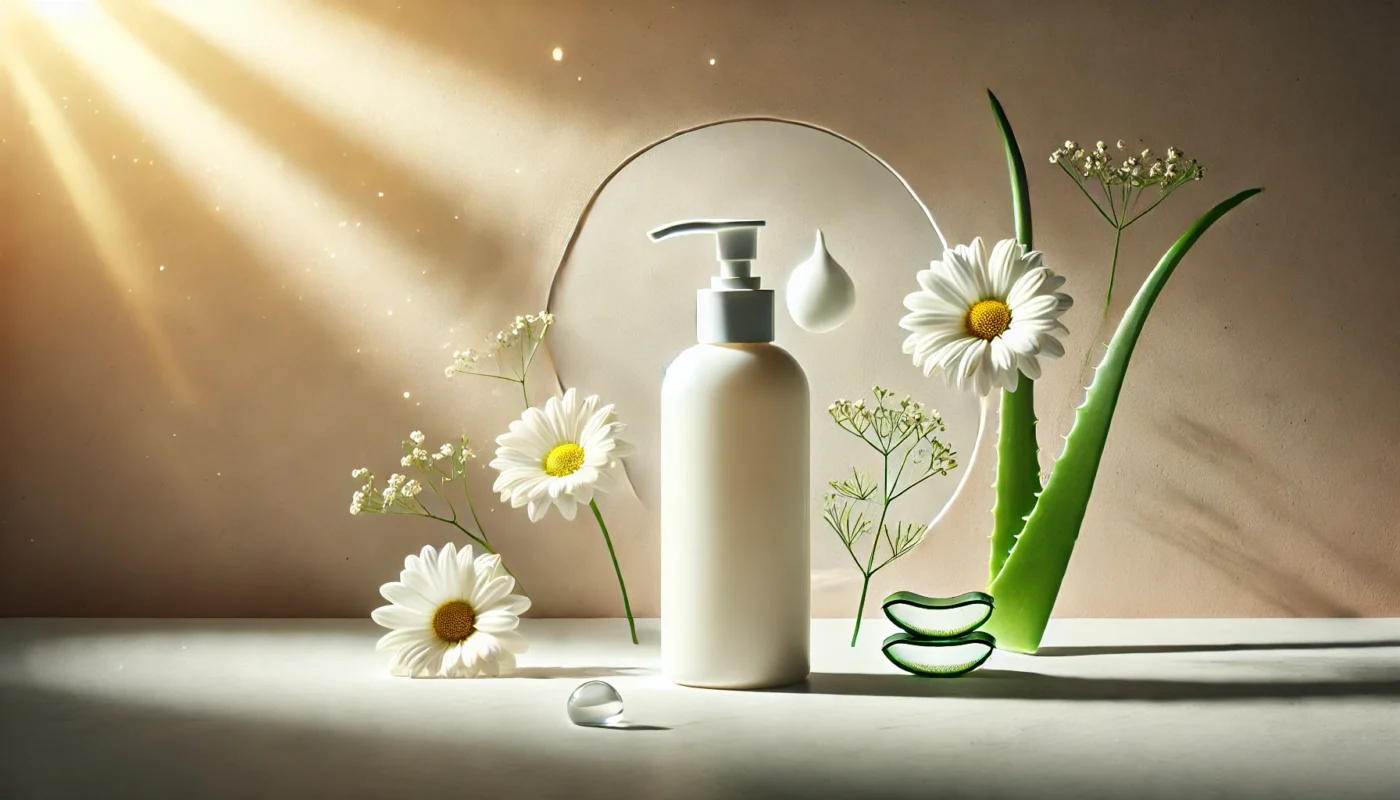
(485, 545)
(471, 506)
(874, 545)
(1080, 184)
(864, 587)
(1143, 213)
(627, 605)
(523, 393)
(1112, 269)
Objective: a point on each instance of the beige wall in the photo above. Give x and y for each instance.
(179, 441)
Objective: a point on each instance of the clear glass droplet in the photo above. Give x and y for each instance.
(595, 704)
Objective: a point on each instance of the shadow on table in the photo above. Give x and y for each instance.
(1001, 684)
(582, 672)
(1133, 649)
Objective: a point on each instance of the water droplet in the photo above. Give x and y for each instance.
(595, 704)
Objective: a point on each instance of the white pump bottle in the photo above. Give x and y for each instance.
(735, 504)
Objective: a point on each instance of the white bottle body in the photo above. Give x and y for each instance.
(735, 506)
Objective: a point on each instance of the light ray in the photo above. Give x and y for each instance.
(360, 278)
(101, 217)
(416, 107)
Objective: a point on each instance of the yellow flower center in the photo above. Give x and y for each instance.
(566, 459)
(988, 319)
(454, 621)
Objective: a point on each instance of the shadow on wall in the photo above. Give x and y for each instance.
(1216, 537)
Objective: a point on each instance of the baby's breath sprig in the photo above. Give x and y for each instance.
(510, 352)
(433, 470)
(906, 437)
(1122, 183)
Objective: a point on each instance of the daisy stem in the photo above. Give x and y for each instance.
(481, 540)
(626, 604)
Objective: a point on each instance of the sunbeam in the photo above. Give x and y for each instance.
(406, 102)
(384, 298)
(101, 216)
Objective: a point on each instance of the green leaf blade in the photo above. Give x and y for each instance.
(1016, 166)
(1018, 452)
(1030, 580)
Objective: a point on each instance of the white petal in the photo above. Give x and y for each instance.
(408, 660)
(927, 321)
(451, 657)
(1027, 287)
(398, 617)
(494, 590)
(427, 663)
(1040, 306)
(401, 594)
(466, 573)
(1004, 363)
(1020, 341)
(418, 582)
(1002, 267)
(975, 269)
(447, 569)
(516, 604)
(497, 622)
(956, 285)
(512, 642)
(1030, 365)
(402, 638)
(537, 509)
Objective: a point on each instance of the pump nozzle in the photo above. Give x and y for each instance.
(736, 246)
(734, 309)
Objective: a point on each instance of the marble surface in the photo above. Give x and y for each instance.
(304, 708)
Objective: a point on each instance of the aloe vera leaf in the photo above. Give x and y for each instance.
(938, 617)
(1020, 186)
(939, 658)
(1018, 454)
(1030, 581)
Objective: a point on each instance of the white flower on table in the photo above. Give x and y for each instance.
(452, 616)
(984, 321)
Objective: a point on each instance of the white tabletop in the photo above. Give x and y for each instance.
(304, 708)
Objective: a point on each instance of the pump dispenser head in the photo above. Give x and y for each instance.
(734, 309)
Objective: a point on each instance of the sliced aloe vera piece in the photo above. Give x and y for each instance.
(939, 617)
(939, 658)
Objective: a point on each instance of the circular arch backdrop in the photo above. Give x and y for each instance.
(625, 305)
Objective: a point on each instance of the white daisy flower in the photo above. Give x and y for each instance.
(451, 616)
(559, 456)
(984, 321)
